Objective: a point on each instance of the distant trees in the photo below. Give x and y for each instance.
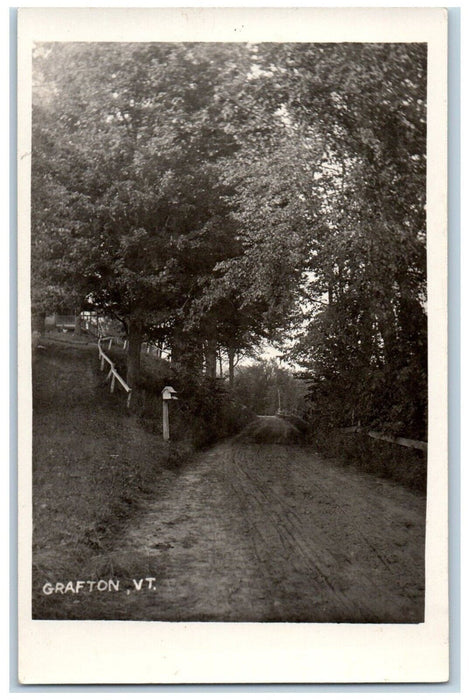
(217, 195)
(266, 388)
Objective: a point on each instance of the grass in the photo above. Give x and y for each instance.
(94, 466)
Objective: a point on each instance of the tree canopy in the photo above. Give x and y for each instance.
(215, 195)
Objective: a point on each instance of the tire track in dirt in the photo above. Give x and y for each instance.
(310, 559)
(291, 515)
(377, 578)
(405, 520)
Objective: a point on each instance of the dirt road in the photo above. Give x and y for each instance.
(273, 533)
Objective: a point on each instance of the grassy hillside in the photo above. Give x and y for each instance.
(94, 464)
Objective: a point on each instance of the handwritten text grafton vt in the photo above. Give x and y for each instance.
(102, 586)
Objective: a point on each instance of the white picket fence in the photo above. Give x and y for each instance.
(113, 373)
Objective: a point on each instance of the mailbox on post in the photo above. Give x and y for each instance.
(168, 394)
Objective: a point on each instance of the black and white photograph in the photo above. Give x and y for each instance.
(229, 332)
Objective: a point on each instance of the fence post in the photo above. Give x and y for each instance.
(112, 383)
(110, 343)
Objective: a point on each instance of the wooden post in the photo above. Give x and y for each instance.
(110, 343)
(168, 393)
(113, 382)
(166, 422)
(102, 363)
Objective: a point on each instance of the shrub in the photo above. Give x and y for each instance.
(205, 410)
(405, 465)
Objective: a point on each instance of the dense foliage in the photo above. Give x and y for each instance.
(266, 388)
(218, 195)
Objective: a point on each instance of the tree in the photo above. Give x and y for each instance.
(267, 388)
(143, 159)
(253, 295)
(134, 157)
(365, 335)
(357, 116)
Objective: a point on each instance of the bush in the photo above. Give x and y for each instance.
(205, 410)
(405, 465)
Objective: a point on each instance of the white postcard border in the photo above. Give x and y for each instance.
(159, 652)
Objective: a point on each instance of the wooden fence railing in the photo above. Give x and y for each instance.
(113, 373)
(147, 348)
(405, 442)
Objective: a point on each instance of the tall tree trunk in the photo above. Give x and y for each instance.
(177, 348)
(211, 358)
(133, 353)
(231, 366)
(39, 322)
(78, 329)
(187, 351)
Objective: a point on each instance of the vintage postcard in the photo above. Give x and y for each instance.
(232, 345)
